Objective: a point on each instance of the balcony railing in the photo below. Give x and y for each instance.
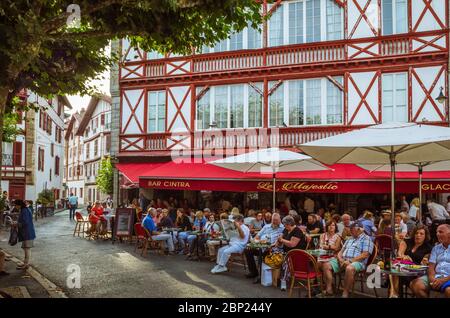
(307, 53)
(234, 138)
(7, 159)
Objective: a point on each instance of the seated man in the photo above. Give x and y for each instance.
(150, 226)
(270, 233)
(352, 259)
(438, 277)
(237, 245)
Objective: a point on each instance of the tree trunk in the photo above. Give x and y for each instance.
(3, 97)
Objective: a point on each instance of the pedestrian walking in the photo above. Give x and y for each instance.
(26, 231)
(73, 205)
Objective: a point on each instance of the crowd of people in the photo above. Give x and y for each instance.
(349, 241)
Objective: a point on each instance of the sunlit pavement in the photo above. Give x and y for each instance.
(115, 270)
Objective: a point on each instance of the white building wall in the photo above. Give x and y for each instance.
(47, 179)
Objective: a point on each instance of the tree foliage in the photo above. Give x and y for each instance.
(105, 176)
(40, 51)
(10, 129)
(47, 197)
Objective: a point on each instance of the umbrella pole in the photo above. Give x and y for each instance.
(274, 192)
(419, 216)
(392, 159)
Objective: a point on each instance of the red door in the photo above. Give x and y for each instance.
(16, 191)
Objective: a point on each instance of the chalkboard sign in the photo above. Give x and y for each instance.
(124, 221)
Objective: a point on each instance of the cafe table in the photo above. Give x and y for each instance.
(260, 248)
(402, 275)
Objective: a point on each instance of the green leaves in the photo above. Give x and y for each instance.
(104, 178)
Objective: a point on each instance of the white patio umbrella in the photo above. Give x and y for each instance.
(391, 144)
(270, 160)
(419, 166)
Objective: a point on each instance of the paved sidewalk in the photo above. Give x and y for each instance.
(20, 284)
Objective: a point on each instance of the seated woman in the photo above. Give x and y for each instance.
(182, 222)
(257, 224)
(292, 238)
(329, 241)
(213, 243)
(417, 250)
(199, 224)
(96, 219)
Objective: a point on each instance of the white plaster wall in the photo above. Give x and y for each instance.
(179, 93)
(362, 81)
(363, 30)
(427, 76)
(133, 96)
(428, 22)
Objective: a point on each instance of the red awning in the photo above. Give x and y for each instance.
(132, 171)
(198, 175)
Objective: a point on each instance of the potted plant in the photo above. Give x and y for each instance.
(47, 199)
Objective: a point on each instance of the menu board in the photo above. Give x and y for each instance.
(124, 221)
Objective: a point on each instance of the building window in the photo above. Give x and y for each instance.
(95, 148)
(17, 152)
(395, 16)
(276, 27)
(276, 106)
(81, 192)
(302, 22)
(41, 158)
(108, 143)
(395, 97)
(300, 102)
(70, 172)
(295, 22)
(203, 112)
(296, 103)
(237, 106)
(254, 38)
(313, 102)
(102, 119)
(52, 149)
(56, 166)
(221, 46)
(313, 20)
(221, 106)
(334, 102)
(157, 111)
(50, 175)
(255, 106)
(334, 21)
(237, 41)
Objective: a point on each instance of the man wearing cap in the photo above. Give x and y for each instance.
(352, 259)
(237, 245)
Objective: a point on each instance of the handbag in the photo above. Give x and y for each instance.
(13, 236)
(274, 259)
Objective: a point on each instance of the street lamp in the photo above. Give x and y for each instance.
(441, 98)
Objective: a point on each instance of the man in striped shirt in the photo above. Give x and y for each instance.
(352, 259)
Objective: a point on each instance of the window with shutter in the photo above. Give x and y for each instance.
(17, 152)
(56, 166)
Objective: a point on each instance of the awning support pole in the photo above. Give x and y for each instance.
(419, 216)
(392, 161)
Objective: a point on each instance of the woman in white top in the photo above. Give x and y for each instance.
(414, 208)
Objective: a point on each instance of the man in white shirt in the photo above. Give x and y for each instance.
(309, 205)
(237, 245)
(438, 212)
